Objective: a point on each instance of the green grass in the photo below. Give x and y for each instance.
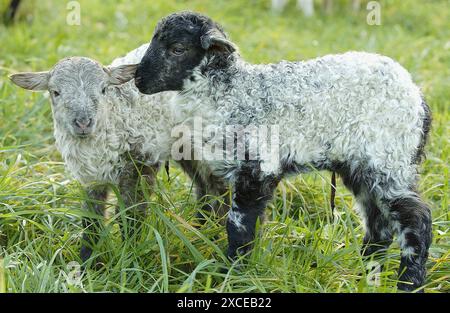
(301, 247)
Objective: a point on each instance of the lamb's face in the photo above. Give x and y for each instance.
(78, 89)
(180, 43)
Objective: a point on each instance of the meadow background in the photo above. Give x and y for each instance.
(302, 247)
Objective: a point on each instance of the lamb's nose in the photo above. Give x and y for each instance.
(83, 123)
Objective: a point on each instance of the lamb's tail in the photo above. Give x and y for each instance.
(420, 154)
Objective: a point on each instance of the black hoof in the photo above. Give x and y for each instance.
(85, 254)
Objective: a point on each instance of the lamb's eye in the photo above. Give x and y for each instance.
(55, 93)
(104, 90)
(178, 49)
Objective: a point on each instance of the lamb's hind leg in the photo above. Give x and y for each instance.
(408, 216)
(378, 236)
(413, 222)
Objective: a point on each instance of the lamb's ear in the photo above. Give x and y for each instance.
(215, 39)
(121, 74)
(31, 81)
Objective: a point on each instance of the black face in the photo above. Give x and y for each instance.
(169, 61)
(180, 43)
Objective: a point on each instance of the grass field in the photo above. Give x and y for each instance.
(302, 248)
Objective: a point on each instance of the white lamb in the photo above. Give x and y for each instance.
(109, 133)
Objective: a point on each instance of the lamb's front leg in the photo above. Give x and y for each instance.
(133, 197)
(94, 205)
(206, 184)
(251, 192)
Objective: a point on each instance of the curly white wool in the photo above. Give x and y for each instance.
(356, 107)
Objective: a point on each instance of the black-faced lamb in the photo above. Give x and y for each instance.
(109, 133)
(357, 114)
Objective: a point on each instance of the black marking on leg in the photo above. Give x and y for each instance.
(378, 235)
(415, 235)
(359, 179)
(251, 193)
